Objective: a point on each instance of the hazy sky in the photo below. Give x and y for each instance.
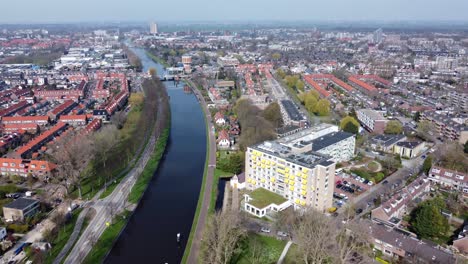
(24, 11)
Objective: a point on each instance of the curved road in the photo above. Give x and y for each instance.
(205, 205)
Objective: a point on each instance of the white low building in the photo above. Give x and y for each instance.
(261, 201)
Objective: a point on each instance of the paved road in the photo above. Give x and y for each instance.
(285, 251)
(393, 183)
(73, 237)
(107, 208)
(201, 223)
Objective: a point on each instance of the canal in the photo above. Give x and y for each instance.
(169, 204)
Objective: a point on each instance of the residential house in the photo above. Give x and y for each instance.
(20, 209)
(397, 243)
(74, 120)
(450, 178)
(461, 241)
(393, 209)
(23, 167)
(219, 119)
(223, 139)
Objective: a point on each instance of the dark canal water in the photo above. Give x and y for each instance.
(169, 204)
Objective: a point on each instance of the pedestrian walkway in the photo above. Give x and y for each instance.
(206, 200)
(285, 252)
(74, 236)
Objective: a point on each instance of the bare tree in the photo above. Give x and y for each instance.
(425, 130)
(105, 141)
(73, 153)
(352, 243)
(313, 234)
(222, 237)
(119, 119)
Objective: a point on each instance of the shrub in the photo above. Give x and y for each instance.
(379, 177)
(18, 228)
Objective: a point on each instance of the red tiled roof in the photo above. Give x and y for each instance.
(223, 134)
(24, 119)
(27, 165)
(362, 84)
(41, 139)
(316, 86)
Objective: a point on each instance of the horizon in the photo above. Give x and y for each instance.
(54, 12)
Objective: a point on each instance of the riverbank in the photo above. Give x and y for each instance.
(202, 190)
(192, 250)
(157, 59)
(110, 235)
(108, 207)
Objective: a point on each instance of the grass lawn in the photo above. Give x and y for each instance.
(292, 257)
(64, 234)
(106, 241)
(222, 174)
(259, 249)
(373, 166)
(262, 197)
(83, 228)
(142, 182)
(157, 59)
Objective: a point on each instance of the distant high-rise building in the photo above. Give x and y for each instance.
(377, 36)
(446, 63)
(153, 28)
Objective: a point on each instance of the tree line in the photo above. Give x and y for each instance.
(256, 125)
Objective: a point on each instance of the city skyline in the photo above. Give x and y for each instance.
(53, 11)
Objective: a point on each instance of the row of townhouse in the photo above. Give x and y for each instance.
(25, 167)
(450, 178)
(39, 141)
(393, 209)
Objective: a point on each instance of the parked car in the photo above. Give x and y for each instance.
(385, 182)
(358, 211)
(265, 230)
(282, 234)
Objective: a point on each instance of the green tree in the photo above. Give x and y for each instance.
(276, 56)
(310, 102)
(322, 108)
(300, 85)
(281, 73)
(349, 124)
(427, 164)
(427, 221)
(417, 116)
(272, 113)
(393, 127)
(465, 147)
